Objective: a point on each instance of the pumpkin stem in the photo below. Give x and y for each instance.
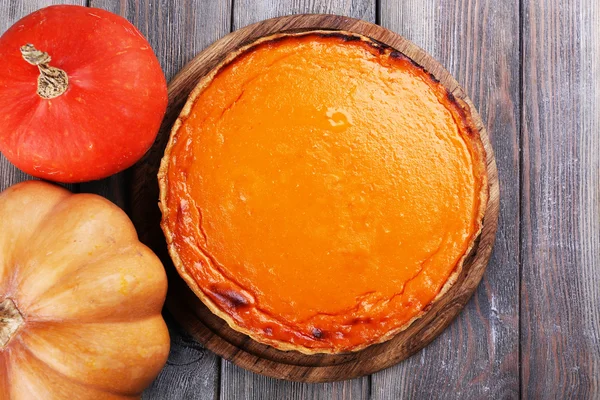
(52, 81)
(10, 321)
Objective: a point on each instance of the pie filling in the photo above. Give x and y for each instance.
(322, 191)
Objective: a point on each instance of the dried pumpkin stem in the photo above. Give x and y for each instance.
(10, 321)
(52, 81)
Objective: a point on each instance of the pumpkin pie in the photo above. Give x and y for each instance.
(320, 191)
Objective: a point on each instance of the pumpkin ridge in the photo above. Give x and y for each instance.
(127, 235)
(32, 354)
(101, 257)
(28, 186)
(143, 291)
(90, 294)
(4, 383)
(68, 378)
(73, 379)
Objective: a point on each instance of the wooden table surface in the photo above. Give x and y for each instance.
(532, 67)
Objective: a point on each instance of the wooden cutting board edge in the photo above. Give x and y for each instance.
(213, 332)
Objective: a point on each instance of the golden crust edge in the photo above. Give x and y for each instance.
(474, 140)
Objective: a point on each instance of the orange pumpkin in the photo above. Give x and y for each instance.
(80, 298)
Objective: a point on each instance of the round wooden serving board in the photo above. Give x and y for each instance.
(212, 331)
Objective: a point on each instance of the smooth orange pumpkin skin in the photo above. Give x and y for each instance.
(90, 295)
(112, 110)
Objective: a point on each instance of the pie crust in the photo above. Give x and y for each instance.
(320, 191)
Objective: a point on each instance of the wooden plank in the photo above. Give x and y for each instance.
(478, 356)
(237, 383)
(191, 372)
(10, 12)
(560, 247)
(176, 32)
(246, 12)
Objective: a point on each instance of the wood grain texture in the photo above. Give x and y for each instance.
(246, 12)
(478, 41)
(237, 381)
(560, 228)
(478, 356)
(176, 32)
(191, 371)
(10, 12)
(214, 332)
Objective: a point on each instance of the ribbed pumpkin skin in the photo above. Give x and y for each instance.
(90, 295)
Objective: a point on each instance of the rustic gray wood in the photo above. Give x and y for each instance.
(560, 230)
(176, 32)
(237, 383)
(547, 58)
(246, 12)
(191, 371)
(478, 356)
(240, 384)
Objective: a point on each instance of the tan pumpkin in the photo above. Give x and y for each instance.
(80, 298)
